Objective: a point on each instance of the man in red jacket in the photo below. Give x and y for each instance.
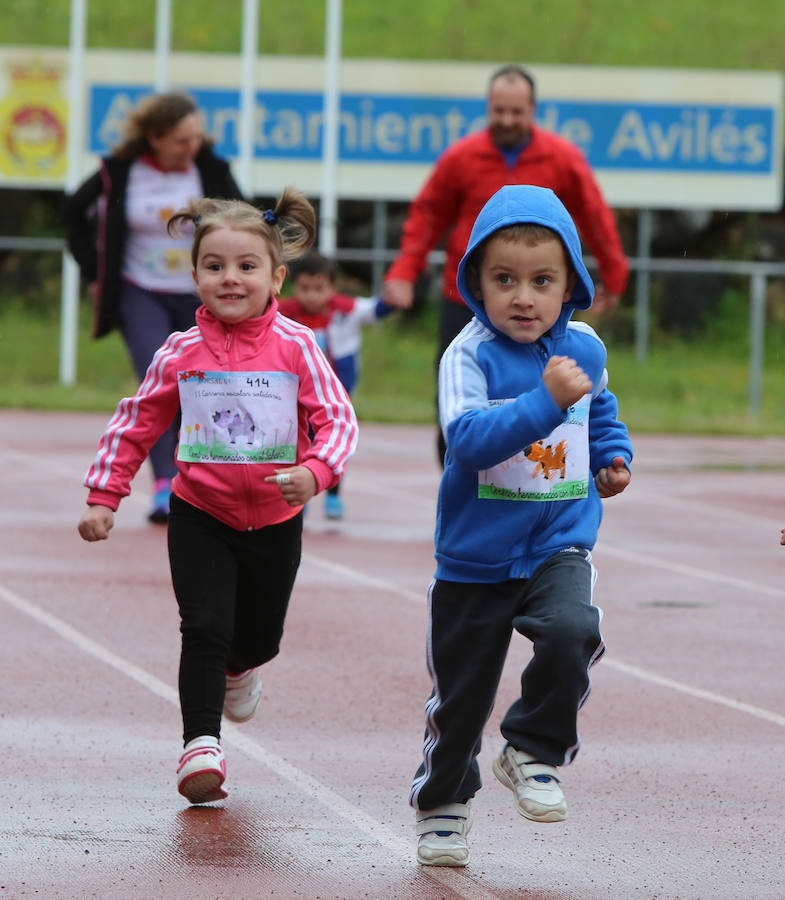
(510, 150)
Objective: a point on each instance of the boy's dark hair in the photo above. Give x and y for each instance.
(528, 232)
(313, 263)
(513, 71)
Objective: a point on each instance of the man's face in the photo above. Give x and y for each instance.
(510, 111)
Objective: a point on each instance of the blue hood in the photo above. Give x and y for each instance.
(514, 205)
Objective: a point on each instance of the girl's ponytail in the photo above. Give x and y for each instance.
(296, 221)
(289, 229)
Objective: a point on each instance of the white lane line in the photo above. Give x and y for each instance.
(644, 559)
(706, 510)
(369, 580)
(458, 883)
(412, 497)
(700, 694)
(620, 666)
(41, 463)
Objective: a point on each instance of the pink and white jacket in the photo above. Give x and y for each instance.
(271, 348)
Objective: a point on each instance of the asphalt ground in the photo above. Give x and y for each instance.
(677, 791)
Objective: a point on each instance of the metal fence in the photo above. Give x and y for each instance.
(758, 274)
(379, 257)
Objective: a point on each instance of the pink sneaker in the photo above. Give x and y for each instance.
(202, 770)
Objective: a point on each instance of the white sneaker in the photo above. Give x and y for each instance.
(243, 693)
(442, 834)
(535, 785)
(202, 770)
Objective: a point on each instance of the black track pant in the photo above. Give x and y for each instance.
(469, 634)
(233, 590)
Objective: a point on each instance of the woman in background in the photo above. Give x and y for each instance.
(139, 277)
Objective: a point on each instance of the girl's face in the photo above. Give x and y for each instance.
(234, 274)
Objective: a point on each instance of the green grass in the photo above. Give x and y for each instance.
(685, 387)
(397, 376)
(697, 386)
(29, 347)
(724, 34)
(695, 389)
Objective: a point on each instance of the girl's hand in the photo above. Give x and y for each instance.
(613, 479)
(297, 484)
(96, 523)
(566, 381)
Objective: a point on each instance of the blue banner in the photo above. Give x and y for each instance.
(401, 129)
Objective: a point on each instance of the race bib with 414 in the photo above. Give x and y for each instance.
(555, 468)
(238, 417)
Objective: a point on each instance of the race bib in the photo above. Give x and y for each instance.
(555, 468)
(238, 417)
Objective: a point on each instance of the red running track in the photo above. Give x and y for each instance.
(677, 792)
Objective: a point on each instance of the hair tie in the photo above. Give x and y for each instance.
(270, 217)
(197, 220)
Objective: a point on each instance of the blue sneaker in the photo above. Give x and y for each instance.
(333, 507)
(159, 512)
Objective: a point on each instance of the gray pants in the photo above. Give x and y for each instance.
(468, 638)
(147, 318)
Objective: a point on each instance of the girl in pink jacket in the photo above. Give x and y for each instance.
(249, 384)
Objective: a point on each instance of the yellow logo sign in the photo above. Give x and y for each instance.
(33, 117)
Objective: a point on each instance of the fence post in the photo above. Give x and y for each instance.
(328, 200)
(642, 284)
(163, 43)
(69, 291)
(379, 244)
(757, 330)
(69, 319)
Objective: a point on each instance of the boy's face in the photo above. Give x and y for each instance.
(313, 292)
(523, 286)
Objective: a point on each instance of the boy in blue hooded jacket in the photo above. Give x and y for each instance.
(533, 444)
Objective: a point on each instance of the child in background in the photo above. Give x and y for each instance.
(265, 426)
(533, 444)
(337, 321)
